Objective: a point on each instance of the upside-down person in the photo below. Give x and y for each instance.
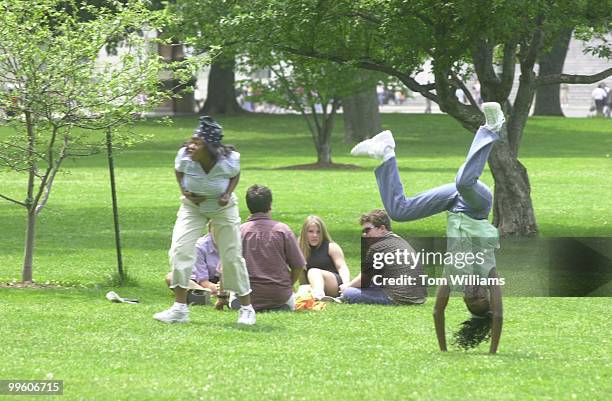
(468, 202)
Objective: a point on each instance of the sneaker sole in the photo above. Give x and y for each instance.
(172, 321)
(327, 298)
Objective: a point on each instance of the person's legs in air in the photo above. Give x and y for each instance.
(475, 198)
(396, 203)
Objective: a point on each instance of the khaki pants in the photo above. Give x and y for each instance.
(225, 225)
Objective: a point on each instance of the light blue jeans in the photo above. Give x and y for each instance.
(370, 295)
(466, 195)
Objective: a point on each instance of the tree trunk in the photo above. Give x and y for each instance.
(221, 96)
(323, 142)
(361, 115)
(324, 154)
(29, 246)
(513, 212)
(547, 102)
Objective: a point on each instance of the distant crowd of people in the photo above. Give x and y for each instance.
(390, 95)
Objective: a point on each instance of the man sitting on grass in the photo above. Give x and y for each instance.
(380, 282)
(273, 257)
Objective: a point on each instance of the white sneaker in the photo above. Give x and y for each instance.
(375, 147)
(494, 116)
(246, 316)
(172, 316)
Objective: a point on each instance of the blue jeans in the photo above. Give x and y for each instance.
(466, 195)
(370, 295)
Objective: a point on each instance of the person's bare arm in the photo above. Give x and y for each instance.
(336, 254)
(231, 186)
(356, 283)
(498, 313)
(211, 286)
(438, 315)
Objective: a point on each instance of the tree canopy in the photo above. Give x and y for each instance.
(396, 37)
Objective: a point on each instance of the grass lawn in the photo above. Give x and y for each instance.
(551, 348)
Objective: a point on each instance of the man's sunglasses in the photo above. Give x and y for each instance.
(366, 230)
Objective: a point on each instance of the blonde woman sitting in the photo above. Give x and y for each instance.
(326, 269)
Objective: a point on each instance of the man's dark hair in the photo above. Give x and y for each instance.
(377, 217)
(259, 199)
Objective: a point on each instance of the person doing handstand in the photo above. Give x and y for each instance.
(468, 202)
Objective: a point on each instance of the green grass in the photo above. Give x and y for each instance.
(551, 348)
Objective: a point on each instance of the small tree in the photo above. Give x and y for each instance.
(312, 88)
(57, 93)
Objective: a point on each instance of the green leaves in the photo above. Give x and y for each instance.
(50, 65)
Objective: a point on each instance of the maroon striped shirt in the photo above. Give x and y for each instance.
(271, 251)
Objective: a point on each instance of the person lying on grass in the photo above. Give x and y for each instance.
(467, 201)
(207, 173)
(379, 284)
(326, 268)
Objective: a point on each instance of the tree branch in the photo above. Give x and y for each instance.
(508, 69)
(469, 116)
(482, 57)
(529, 58)
(465, 90)
(13, 200)
(51, 177)
(363, 16)
(293, 98)
(366, 64)
(12, 165)
(573, 79)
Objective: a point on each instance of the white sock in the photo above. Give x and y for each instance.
(180, 307)
(388, 153)
(249, 306)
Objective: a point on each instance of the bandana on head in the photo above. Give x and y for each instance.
(209, 130)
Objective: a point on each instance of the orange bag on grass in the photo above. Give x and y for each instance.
(307, 302)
